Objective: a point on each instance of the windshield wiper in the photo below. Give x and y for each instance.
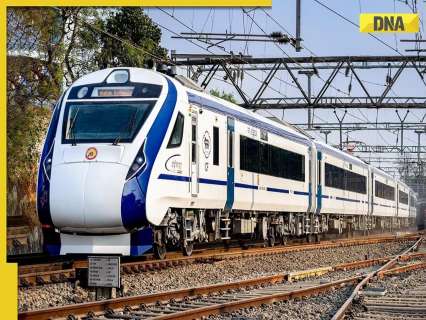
(71, 132)
(129, 127)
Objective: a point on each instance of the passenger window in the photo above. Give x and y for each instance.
(177, 133)
(230, 149)
(215, 146)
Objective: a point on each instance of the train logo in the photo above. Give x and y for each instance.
(206, 144)
(91, 153)
(174, 163)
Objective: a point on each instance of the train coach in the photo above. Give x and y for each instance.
(136, 160)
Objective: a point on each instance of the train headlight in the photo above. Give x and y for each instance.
(47, 164)
(82, 92)
(118, 76)
(138, 163)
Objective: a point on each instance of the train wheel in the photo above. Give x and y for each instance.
(271, 238)
(160, 251)
(159, 246)
(317, 238)
(283, 240)
(187, 249)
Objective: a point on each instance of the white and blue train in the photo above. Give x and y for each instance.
(134, 159)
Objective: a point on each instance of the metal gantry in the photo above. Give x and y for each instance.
(212, 64)
(325, 70)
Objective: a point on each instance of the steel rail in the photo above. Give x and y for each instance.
(340, 314)
(29, 277)
(163, 297)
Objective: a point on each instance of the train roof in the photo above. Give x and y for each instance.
(295, 134)
(275, 124)
(323, 147)
(135, 75)
(244, 115)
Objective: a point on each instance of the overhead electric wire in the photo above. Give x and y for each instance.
(356, 25)
(208, 50)
(294, 61)
(310, 51)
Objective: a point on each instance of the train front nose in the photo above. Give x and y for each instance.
(86, 195)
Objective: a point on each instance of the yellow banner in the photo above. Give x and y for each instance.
(389, 22)
(143, 3)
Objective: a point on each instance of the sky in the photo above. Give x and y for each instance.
(324, 34)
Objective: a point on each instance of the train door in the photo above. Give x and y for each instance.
(194, 155)
(230, 180)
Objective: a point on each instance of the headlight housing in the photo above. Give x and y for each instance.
(138, 163)
(47, 163)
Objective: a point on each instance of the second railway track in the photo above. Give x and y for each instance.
(40, 274)
(219, 298)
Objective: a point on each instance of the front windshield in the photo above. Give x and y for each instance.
(104, 121)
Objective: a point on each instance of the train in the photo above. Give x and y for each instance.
(137, 160)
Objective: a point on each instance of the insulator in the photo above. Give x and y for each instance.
(283, 40)
(276, 34)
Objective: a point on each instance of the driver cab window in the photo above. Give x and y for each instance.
(177, 133)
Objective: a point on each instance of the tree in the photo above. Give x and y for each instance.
(223, 95)
(48, 49)
(142, 39)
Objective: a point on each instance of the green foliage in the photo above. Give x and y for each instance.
(49, 48)
(141, 36)
(34, 39)
(223, 95)
(25, 134)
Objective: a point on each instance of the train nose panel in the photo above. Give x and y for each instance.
(87, 196)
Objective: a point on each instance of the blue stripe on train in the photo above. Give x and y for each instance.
(224, 183)
(43, 183)
(246, 186)
(133, 202)
(277, 190)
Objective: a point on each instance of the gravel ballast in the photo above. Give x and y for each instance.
(209, 273)
(321, 307)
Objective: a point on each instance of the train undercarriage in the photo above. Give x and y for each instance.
(182, 228)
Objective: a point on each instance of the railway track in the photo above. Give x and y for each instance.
(387, 269)
(409, 304)
(219, 298)
(40, 274)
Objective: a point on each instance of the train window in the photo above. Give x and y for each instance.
(277, 162)
(104, 121)
(177, 133)
(403, 197)
(336, 177)
(319, 171)
(194, 140)
(384, 191)
(215, 146)
(265, 167)
(249, 150)
(270, 160)
(294, 164)
(230, 149)
(355, 182)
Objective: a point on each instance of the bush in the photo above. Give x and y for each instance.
(25, 134)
